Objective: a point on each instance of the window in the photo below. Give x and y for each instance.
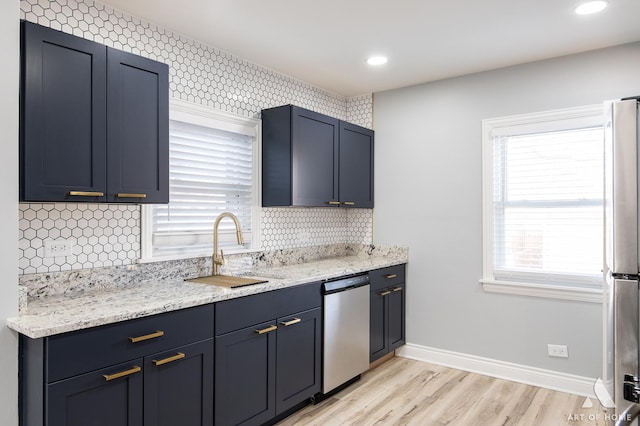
(212, 169)
(543, 203)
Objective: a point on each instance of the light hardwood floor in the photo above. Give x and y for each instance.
(406, 392)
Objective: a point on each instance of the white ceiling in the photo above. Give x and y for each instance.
(326, 43)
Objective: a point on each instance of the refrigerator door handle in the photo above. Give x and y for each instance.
(629, 415)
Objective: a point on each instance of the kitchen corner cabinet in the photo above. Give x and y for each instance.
(94, 121)
(312, 160)
(149, 371)
(267, 354)
(387, 310)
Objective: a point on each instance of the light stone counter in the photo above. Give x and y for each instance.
(59, 313)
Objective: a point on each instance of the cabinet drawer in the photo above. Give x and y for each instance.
(246, 311)
(85, 350)
(385, 277)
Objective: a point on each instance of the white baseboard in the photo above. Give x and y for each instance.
(577, 385)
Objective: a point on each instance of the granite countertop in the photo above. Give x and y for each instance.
(60, 313)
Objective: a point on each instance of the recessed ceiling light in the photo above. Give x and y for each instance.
(377, 60)
(591, 7)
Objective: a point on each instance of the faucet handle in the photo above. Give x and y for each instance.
(221, 257)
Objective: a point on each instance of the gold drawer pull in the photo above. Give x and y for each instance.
(397, 289)
(384, 293)
(291, 322)
(267, 330)
(86, 193)
(390, 276)
(333, 203)
(128, 372)
(349, 203)
(158, 333)
(127, 195)
(176, 357)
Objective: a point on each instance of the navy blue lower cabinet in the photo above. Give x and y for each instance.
(378, 323)
(152, 371)
(264, 370)
(396, 317)
(387, 310)
(178, 386)
(268, 350)
(108, 397)
(245, 376)
(299, 349)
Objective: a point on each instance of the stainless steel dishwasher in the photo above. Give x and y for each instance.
(346, 330)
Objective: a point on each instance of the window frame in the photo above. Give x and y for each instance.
(546, 121)
(191, 113)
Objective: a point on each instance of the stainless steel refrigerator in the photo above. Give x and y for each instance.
(621, 318)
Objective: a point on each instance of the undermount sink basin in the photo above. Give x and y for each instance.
(229, 281)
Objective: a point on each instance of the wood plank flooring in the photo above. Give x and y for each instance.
(406, 392)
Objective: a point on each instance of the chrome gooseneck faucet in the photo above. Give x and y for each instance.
(218, 261)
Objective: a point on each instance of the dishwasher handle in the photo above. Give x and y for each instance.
(345, 283)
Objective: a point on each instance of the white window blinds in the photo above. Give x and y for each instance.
(547, 203)
(211, 171)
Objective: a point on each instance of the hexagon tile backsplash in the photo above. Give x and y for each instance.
(101, 234)
(109, 235)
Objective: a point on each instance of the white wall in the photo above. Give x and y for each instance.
(429, 197)
(9, 71)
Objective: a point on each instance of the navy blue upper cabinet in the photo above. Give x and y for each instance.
(356, 165)
(138, 129)
(312, 160)
(63, 117)
(94, 121)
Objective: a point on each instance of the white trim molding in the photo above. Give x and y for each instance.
(548, 379)
(547, 291)
(202, 115)
(548, 286)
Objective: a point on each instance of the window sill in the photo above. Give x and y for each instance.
(227, 252)
(591, 295)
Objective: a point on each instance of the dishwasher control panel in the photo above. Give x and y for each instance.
(346, 283)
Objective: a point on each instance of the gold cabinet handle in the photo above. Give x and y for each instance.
(128, 372)
(176, 357)
(291, 322)
(267, 330)
(146, 336)
(86, 194)
(333, 203)
(384, 293)
(397, 289)
(127, 195)
(390, 276)
(349, 203)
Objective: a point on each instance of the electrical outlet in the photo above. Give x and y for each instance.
(58, 248)
(559, 351)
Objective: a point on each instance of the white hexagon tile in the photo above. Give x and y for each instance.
(110, 234)
(99, 234)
